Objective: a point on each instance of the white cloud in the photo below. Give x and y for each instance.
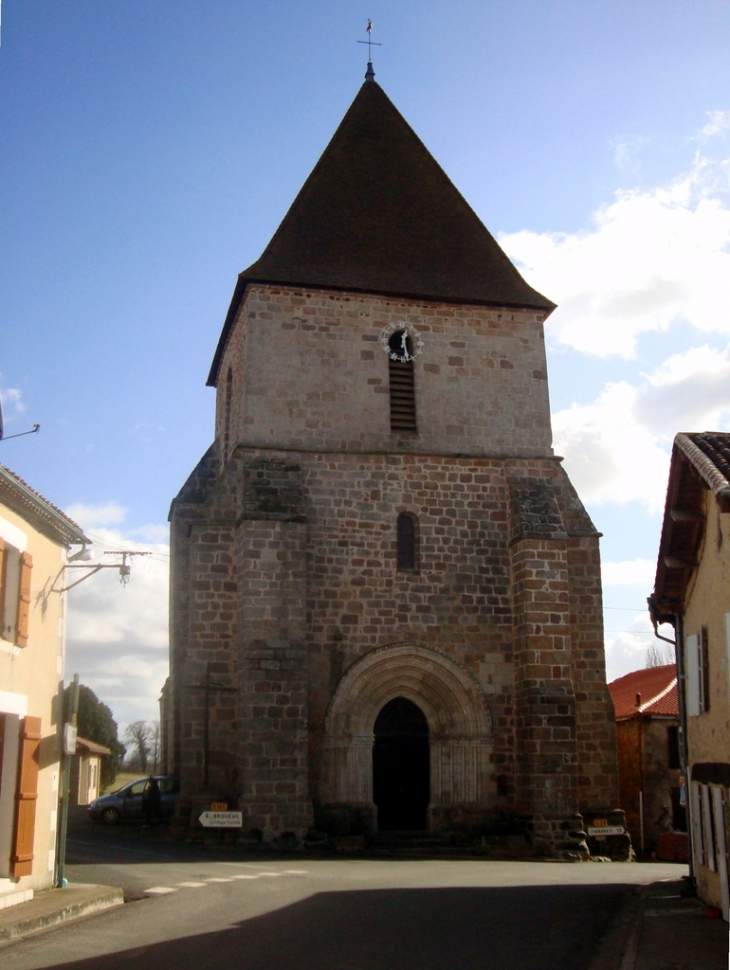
(145, 432)
(626, 151)
(651, 258)
(609, 454)
(718, 123)
(90, 516)
(616, 448)
(117, 635)
(12, 402)
(627, 651)
(633, 572)
(687, 392)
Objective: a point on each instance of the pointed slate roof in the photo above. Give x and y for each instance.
(379, 215)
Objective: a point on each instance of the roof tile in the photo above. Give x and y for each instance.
(657, 687)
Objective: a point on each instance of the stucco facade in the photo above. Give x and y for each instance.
(34, 537)
(692, 592)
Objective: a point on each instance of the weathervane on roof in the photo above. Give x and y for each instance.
(370, 73)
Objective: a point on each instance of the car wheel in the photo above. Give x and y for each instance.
(110, 816)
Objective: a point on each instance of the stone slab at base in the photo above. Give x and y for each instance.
(15, 898)
(55, 906)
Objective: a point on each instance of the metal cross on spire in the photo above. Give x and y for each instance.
(370, 73)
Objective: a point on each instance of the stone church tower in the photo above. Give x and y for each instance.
(386, 598)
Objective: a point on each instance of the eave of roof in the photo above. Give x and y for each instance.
(38, 511)
(379, 215)
(700, 461)
(91, 746)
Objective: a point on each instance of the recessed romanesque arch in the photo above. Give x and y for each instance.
(453, 703)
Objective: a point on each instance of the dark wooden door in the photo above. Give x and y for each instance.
(401, 767)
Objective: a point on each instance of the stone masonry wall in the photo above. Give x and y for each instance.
(284, 555)
(309, 372)
(596, 728)
(298, 579)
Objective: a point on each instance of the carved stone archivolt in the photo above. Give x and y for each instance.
(453, 703)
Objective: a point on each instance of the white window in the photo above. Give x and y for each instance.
(10, 592)
(696, 653)
(15, 568)
(692, 671)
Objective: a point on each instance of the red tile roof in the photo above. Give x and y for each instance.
(91, 746)
(657, 687)
(24, 500)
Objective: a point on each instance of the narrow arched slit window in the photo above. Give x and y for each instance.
(402, 384)
(407, 542)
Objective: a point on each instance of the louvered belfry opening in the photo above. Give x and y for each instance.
(402, 386)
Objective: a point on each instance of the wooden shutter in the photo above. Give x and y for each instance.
(26, 797)
(26, 565)
(704, 662)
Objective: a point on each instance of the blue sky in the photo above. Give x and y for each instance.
(148, 151)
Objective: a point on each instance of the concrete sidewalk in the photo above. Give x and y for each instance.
(54, 907)
(660, 929)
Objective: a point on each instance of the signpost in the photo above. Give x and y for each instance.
(70, 715)
(221, 820)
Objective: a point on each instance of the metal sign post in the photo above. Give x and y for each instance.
(70, 717)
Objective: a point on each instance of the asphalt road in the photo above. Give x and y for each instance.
(233, 911)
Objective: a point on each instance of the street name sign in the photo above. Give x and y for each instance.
(221, 820)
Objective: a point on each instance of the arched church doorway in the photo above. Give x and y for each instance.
(401, 766)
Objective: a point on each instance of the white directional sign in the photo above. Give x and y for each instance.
(70, 732)
(221, 820)
(606, 830)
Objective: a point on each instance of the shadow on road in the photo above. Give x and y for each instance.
(546, 928)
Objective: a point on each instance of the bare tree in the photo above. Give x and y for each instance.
(659, 655)
(138, 735)
(154, 743)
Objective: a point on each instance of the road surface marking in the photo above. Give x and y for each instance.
(246, 877)
(221, 879)
(160, 890)
(192, 885)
